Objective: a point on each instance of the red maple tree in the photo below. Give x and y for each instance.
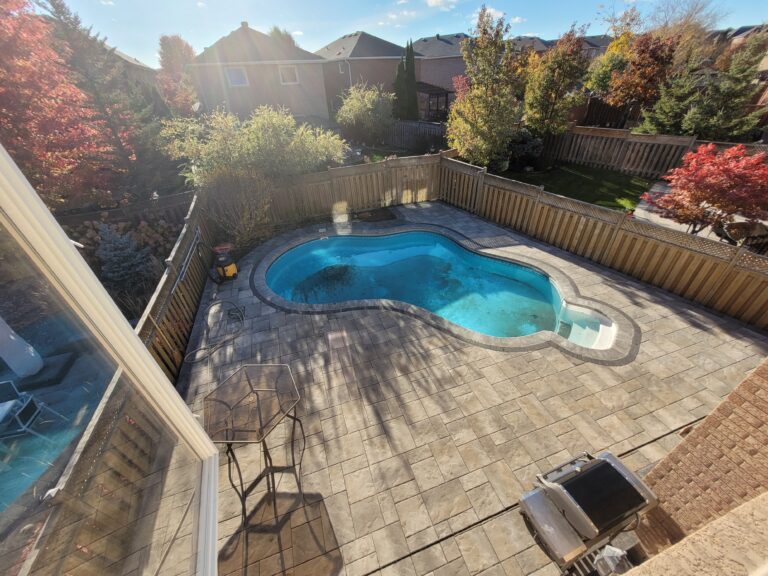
(46, 122)
(173, 80)
(712, 187)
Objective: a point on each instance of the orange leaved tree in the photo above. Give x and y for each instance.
(712, 187)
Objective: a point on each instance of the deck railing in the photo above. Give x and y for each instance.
(725, 278)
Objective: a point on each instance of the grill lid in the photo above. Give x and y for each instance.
(604, 494)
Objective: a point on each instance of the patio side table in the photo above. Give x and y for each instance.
(244, 409)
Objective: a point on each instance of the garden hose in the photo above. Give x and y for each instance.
(233, 313)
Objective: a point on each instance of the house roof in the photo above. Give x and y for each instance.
(361, 45)
(131, 60)
(440, 45)
(599, 41)
(248, 45)
(534, 42)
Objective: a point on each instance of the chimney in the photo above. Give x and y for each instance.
(243, 24)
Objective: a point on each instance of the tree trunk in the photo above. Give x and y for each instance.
(18, 353)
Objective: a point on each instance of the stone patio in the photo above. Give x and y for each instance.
(419, 444)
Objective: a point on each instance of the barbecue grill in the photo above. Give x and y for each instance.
(582, 505)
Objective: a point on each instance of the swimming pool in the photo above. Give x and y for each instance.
(487, 295)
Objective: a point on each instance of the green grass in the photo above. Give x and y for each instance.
(595, 185)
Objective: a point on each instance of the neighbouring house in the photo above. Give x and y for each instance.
(135, 69)
(594, 46)
(441, 62)
(360, 57)
(247, 69)
(531, 43)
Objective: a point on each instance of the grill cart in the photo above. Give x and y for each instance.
(581, 505)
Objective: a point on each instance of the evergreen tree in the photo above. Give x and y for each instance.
(124, 265)
(711, 106)
(721, 110)
(398, 104)
(411, 109)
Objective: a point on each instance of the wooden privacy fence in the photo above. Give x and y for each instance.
(639, 154)
(646, 155)
(167, 322)
(411, 134)
(726, 278)
(356, 188)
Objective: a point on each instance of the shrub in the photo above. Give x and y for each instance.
(365, 115)
(237, 165)
(269, 142)
(524, 148)
(128, 271)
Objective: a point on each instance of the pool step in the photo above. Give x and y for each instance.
(582, 335)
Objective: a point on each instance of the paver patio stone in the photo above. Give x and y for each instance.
(476, 550)
(445, 500)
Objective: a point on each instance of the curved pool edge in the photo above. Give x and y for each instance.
(624, 348)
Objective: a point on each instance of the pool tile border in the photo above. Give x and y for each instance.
(624, 349)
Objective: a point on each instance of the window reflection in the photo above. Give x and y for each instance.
(92, 480)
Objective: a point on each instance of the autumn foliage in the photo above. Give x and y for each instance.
(173, 79)
(47, 124)
(712, 187)
(650, 59)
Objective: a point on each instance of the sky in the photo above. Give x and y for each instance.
(135, 26)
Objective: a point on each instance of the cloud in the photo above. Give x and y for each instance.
(401, 2)
(298, 33)
(445, 5)
(200, 4)
(402, 15)
(496, 14)
(107, 2)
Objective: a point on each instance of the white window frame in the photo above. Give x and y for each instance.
(341, 67)
(295, 71)
(31, 224)
(229, 79)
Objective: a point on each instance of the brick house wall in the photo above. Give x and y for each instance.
(305, 99)
(721, 464)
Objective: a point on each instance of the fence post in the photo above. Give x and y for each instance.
(389, 179)
(479, 188)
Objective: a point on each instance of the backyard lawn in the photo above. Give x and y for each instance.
(595, 185)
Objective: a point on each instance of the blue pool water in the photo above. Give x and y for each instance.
(487, 295)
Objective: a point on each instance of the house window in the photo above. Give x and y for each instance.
(101, 462)
(342, 68)
(236, 76)
(288, 75)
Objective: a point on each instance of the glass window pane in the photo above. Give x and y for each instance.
(236, 76)
(123, 490)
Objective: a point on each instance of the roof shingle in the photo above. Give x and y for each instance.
(248, 45)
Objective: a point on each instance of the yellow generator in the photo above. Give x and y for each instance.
(223, 263)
